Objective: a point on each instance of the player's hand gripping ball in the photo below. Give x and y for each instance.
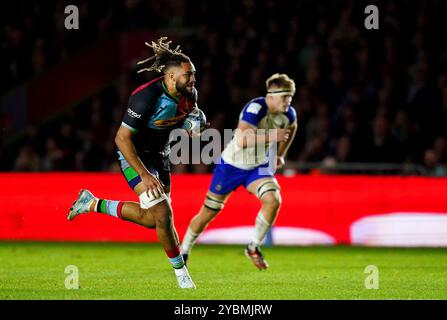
(195, 122)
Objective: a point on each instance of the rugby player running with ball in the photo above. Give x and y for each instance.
(155, 109)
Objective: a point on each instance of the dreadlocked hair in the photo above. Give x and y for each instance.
(164, 56)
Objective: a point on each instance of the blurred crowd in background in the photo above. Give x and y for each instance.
(363, 96)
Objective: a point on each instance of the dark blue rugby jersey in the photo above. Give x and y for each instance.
(153, 113)
(256, 110)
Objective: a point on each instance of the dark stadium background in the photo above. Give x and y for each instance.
(365, 177)
(368, 101)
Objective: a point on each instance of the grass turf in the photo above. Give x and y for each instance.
(141, 271)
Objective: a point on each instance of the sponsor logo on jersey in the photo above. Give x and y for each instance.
(170, 122)
(254, 108)
(133, 114)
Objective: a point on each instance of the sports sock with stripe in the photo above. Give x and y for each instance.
(110, 207)
(175, 258)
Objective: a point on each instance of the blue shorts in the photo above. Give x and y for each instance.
(227, 178)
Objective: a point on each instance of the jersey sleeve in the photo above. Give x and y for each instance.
(291, 114)
(137, 112)
(252, 113)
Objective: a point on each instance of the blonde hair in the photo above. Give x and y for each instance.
(164, 56)
(280, 84)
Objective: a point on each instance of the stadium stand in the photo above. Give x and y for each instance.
(372, 97)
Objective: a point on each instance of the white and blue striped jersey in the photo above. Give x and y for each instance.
(257, 115)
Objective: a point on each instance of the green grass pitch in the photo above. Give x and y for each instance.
(141, 271)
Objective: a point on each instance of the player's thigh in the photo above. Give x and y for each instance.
(134, 180)
(159, 207)
(140, 188)
(157, 167)
(147, 208)
(221, 197)
(253, 186)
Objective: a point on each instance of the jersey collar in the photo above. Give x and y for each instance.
(167, 93)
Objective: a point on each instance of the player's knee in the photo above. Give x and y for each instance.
(272, 199)
(156, 217)
(269, 193)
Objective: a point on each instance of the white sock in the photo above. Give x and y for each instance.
(262, 226)
(188, 241)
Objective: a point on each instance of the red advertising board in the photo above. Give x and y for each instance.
(315, 209)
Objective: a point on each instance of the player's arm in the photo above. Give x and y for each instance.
(284, 145)
(247, 135)
(123, 140)
(134, 120)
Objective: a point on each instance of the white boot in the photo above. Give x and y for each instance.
(82, 204)
(184, 279)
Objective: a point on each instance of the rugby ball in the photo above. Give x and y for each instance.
(195, 121)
